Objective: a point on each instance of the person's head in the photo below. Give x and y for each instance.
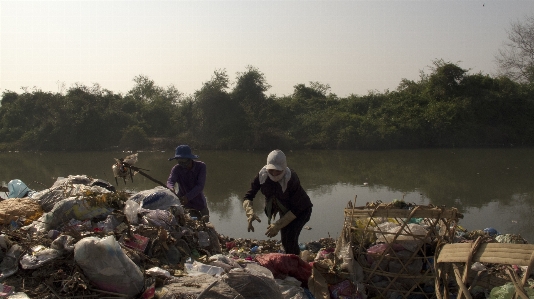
(183, 155)
(276, 163)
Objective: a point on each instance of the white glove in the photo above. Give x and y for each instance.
(251, 216)
(273, 229)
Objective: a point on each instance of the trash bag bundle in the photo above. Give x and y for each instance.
(107, 266)
(64, 188)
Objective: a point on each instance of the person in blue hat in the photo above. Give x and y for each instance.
(190, 176)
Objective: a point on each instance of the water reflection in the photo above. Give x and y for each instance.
(492, 187)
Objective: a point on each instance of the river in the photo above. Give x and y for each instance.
(491, 187)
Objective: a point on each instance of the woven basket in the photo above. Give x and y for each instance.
(395, 246)
(454, 261)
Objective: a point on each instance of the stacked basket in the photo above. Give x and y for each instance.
(457, 278)
(393, 246)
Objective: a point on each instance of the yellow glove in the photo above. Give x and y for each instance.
(273, 229)
(251, 216)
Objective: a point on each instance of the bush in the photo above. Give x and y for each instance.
(134, 138)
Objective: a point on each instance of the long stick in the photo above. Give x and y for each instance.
(137, 169)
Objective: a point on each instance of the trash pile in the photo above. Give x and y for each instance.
(81, 238)
(485, 264)
(390, 251)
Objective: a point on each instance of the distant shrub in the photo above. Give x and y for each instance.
(134, 138)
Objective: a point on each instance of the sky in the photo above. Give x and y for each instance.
(355, 47)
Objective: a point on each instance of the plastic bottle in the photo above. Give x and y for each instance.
(203, 239)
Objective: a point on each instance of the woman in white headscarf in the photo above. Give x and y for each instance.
(284, 195)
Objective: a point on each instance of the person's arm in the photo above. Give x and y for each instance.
(254, 188)
(171, 181)
(298, 198)
(200, 182)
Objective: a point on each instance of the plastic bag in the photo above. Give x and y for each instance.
(70, 208)
(104, 263)
(412, 236)
(203, 268)
(507, 292)
(157, 198)
(63, 243)
(158, 218)
(109, 224)
(5, 242)
(225, 259)
(345, 254)
(131, 208)
(17, 189)
(157, 271)
(250, 285)
(282, 265)
(71, 186)
(9, 264)
(19, 295)
(477, 266)
(290, 288)
(38, 256)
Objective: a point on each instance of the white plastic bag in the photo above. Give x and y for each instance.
(131, 208)
(67, 209)
(203, 268)
(157, 198)
(411, 237)
(104, 263)
(38, 256)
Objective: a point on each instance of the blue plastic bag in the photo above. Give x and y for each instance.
(17, 189)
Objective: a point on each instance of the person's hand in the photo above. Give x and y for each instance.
(272, 230)
(251, 216)
(183, 200)
(250, 220)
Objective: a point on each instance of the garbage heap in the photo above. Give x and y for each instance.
(82, 239)
(485, 264)
(387, 250)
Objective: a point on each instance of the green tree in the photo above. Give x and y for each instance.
(216, 117)
(156, 106)
(249, 93)
(134, 138)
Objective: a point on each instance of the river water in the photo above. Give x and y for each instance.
(491, 187)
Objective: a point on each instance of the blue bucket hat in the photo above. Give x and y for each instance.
(183, 152)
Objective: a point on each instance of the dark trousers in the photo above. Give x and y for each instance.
(290, 233)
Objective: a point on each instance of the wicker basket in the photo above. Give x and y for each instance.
(454, 261)
(394, 245)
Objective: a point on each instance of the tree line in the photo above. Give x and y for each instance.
(447, 107)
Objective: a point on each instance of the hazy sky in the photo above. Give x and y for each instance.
(354, 46)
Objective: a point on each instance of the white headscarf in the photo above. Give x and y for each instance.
(276, 160)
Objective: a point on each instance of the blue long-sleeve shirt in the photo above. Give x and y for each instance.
(190, 183)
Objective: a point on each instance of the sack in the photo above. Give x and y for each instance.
(17, 189)
(105, 264)
(157, 198)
